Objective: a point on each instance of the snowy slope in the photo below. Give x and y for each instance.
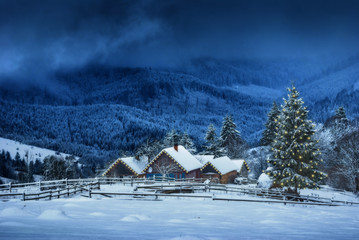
(33, 152)
(172, 218)
(329, 86)
(260, 91)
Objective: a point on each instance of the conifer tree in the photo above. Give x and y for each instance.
(213, 145)
(340, 113)
(210, 134)
(187, 143)
(230, 138)
(340, 124)
(271, 125)
(295, 157)
(170, 138)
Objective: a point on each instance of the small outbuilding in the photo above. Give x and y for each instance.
(242, 167)
(222, 168)
(128, 166)
(175, 162)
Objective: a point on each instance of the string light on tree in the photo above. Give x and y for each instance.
(295, 155)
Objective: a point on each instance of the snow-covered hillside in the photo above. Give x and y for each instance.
(32, 152)
(331, 85)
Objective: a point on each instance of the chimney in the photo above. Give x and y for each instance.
(175, 141)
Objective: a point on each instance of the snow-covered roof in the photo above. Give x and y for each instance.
(223, 165)
(239, 163)
(136, 166)
(182, 157)
(204, 158)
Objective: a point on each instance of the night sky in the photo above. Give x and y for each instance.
(37, 37)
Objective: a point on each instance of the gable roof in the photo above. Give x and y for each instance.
(203, 159)
(240, 163)
(134, 165)
(222, 165)
(184, 158)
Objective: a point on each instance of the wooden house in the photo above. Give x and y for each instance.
(222, 168)
(242, 166)
(175, 162)
(129, 166)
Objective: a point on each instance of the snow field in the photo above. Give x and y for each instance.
(173, 218)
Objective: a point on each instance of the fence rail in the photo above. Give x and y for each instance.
(160, 186)
(50, 194)
(157, 195)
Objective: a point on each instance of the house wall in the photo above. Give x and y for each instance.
(211, 176)
(209, 169)
(119, 170)
(228, 177)
(210, 173)
(165, 161)
(243, 172)
(193, 174)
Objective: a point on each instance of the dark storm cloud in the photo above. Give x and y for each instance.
(37, 37)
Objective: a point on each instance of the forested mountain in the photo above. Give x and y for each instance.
(105, 110)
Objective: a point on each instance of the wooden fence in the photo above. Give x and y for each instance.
(157, 195)
(158, 187)
(51, 194)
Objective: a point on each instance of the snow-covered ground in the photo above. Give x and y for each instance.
(172, 218)
(33, 152)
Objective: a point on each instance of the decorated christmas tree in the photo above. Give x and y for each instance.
(295, 157)
(271, 125)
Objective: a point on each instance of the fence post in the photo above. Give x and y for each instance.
(50, 195)
(66, 182)
(10, 186)
(89, 189)
(23, 196)
(68, 191)
(58, 192)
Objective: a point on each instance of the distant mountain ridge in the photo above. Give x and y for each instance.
(100, 109)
